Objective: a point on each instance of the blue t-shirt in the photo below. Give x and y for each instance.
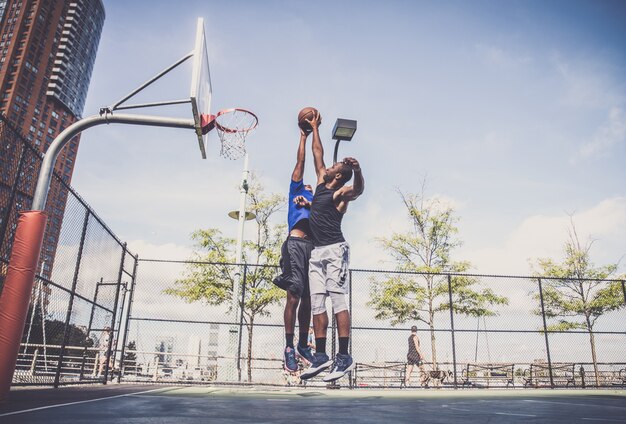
(296, 213)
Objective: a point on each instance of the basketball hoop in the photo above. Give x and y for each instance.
(233, 126)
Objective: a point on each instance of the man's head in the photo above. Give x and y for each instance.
(414, 329)
(340, 172)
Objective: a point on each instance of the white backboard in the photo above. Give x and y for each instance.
(201, 86)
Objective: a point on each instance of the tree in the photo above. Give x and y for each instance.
(424, 252)
(210, 275)
(577, 292)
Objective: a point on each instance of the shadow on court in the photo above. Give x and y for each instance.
(159, 404)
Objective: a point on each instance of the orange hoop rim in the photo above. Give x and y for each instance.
(227, 129)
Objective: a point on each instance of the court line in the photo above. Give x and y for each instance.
(75, 403)
(513, 414)
(574, 404)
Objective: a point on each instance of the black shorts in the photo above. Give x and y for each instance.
(413, 360)
(294, 263)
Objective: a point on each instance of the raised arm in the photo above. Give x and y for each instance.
(349, 193)
(318, 149)
(298, 170)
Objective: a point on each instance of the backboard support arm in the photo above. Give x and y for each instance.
(47, 167)
(146, 84)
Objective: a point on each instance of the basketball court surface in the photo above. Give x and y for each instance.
(219, 404)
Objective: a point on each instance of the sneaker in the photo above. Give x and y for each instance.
(319, 364)
(305, 353)
(343, 365)
(291, 364)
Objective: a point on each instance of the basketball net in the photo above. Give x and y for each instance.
(233, 126)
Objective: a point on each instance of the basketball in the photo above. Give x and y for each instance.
(307, 113)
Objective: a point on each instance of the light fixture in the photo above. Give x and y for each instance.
(343, 130)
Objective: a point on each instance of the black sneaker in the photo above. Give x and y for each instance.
(291, 364)
(343, 365)
(319, 364)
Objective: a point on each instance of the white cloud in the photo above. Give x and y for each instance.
(543, 236)
(169, 251)
(609, 134)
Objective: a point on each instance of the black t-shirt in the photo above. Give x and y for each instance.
(325, 219)
(412, 350)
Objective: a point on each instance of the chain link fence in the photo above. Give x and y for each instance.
(515, 343)
(87, 323)
(85, 271)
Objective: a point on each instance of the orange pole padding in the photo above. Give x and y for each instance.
(17, 291)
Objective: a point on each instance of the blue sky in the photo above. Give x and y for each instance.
(514, 112)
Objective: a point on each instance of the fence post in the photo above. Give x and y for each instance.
(350, 308)
(545, 333)
(96, 360)
(243, 302)
(114, 315)
(124, 287)
(93, 308)
(33, 364)
(452, 330)
(68, 316)
(624, 290)
(128, 314)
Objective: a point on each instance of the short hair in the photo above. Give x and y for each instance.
(346, 172)
(414, 329)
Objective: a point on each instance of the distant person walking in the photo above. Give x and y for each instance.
(414, 357)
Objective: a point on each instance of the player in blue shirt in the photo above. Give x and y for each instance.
(294, 263)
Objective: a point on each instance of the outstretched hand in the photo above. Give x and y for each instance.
(352, 163)
(315, 121)
(302, 202)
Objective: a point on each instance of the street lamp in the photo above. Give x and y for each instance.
(235, 215)
(241, 215)
(343, 130)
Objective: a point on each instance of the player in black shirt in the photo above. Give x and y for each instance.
(329, 262)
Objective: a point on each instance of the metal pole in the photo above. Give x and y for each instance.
(128, 314)
(452, 329)
(243, 195)
(545, 333)
(113, 317)
(38, 218)
(352, 378)
(119, 321)
(243, 302)
(233, 336)
(350, 307)
(336, 150)
(68, 316)
(93, 308)
(624, 290)
(151, 80)
(47, 167)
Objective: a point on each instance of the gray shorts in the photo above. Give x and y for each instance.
(328, 268)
